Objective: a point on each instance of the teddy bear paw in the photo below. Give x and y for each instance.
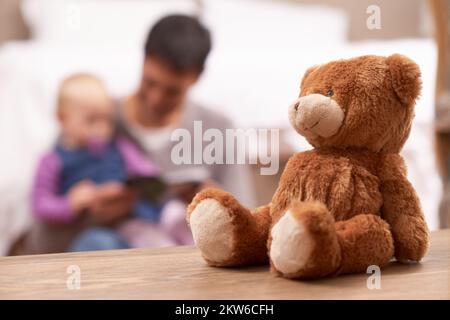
(304, 242)
(291, 245)
(213, 231)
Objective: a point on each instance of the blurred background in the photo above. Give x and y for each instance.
(260, 50)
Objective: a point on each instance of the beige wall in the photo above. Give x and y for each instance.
(12, 25)
(399, 18)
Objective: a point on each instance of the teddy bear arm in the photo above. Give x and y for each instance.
(288, 186)
(401, 209)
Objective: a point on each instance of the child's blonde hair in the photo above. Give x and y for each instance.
(81, 87)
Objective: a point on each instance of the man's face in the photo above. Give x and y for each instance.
(163, 90)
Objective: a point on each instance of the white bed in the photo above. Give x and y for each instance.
(260, 54)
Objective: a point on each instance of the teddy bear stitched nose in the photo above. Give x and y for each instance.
(308, 122)
(308, 117)
(317, 114)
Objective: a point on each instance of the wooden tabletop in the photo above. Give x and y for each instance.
(180, 273)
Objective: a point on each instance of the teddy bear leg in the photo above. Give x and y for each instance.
(226, 233)
(303, 243)
(306, 242)
(365, 240)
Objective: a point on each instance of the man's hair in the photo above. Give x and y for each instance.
(181, 41)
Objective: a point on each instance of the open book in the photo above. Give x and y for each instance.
(180, 183)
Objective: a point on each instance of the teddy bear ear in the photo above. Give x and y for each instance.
(307, 73)
(406, 78)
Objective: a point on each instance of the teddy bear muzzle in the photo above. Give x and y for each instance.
(316, 115)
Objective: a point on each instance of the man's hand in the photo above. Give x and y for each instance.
(112, 202)
(81, 196)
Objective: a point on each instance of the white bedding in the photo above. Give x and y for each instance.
(254, 81)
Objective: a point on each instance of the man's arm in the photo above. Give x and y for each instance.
(401, 209)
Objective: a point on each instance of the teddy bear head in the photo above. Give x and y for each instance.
(364, 102)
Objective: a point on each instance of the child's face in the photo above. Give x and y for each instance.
(87, 120)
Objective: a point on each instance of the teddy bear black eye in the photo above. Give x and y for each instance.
(330, 92)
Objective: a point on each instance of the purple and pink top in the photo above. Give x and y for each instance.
(61, 168)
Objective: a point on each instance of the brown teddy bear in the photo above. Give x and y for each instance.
(347, 203)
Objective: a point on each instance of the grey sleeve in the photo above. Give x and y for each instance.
(235, 178)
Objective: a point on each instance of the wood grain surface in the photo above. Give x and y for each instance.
(180, 273)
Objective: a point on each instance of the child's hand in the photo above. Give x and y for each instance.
(81, 196)
(112, 203)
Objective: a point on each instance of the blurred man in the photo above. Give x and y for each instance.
(176, 50)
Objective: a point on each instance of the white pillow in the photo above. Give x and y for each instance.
(107, 22)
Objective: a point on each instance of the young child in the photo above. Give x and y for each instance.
(88, 159)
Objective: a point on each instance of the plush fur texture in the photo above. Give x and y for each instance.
(348, 200)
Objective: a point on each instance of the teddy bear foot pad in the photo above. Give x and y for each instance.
(212, 229)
